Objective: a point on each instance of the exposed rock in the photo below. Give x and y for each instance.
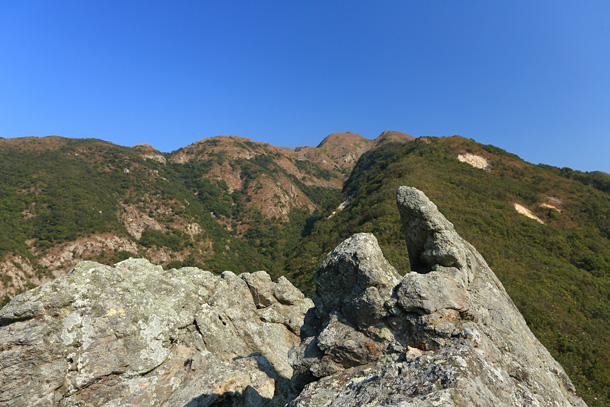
(58, 260)
(353, 278)
(527, 213)
(431, 239)
(446, 334)
(148, 152)
(136, 221)
(474, 160)
(136, 335)
(549, 206)
(16, 272)
(341, 206)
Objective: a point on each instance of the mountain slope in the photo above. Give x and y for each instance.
(221, 203)
(557, 272)
(342, 150)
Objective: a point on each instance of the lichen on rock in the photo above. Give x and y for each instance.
(134, 334)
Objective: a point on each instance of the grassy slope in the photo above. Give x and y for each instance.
(558, 274)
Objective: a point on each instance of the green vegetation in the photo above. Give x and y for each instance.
(79, 187)
(175, 239)
(558, 274)
(309, 167)
(53, 197)
(596, 179)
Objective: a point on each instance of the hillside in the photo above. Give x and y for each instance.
(342, 150)
(556, 270)
(221, 203)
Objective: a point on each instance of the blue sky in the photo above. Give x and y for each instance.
(530, 77)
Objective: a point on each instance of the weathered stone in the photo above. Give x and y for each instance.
(136, 335)
(431, 239)
(286, 293)
(345, 345)
(353, 279)
(452, 336)
(352, 285)
(261, 288)
(428, 293)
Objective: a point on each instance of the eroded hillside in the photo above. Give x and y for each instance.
(221, 203)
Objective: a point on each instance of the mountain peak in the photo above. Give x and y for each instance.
(343, 138)
(224, 138)
(392, 135)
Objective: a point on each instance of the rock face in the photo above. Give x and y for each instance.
(136, 335)
(445, 334)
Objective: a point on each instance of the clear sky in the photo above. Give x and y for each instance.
(532, 77)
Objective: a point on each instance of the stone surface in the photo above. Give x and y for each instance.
(136, 335)
(447, 334)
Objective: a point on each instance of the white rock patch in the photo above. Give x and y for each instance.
(475, 160)
(545, 205)
(526, 212)
(343, 205)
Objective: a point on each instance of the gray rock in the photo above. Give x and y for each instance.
(353, 279)
(136, 335)
(428, 293)
(431, 239)
(449, 335)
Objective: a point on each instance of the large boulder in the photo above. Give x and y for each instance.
(137, 335)
(444, 334)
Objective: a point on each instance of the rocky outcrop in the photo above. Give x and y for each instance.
(445, 334)
(136, 335)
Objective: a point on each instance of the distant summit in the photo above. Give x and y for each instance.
(389, 136)
(344, 149)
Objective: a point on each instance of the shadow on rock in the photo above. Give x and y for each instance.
(280, 388)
